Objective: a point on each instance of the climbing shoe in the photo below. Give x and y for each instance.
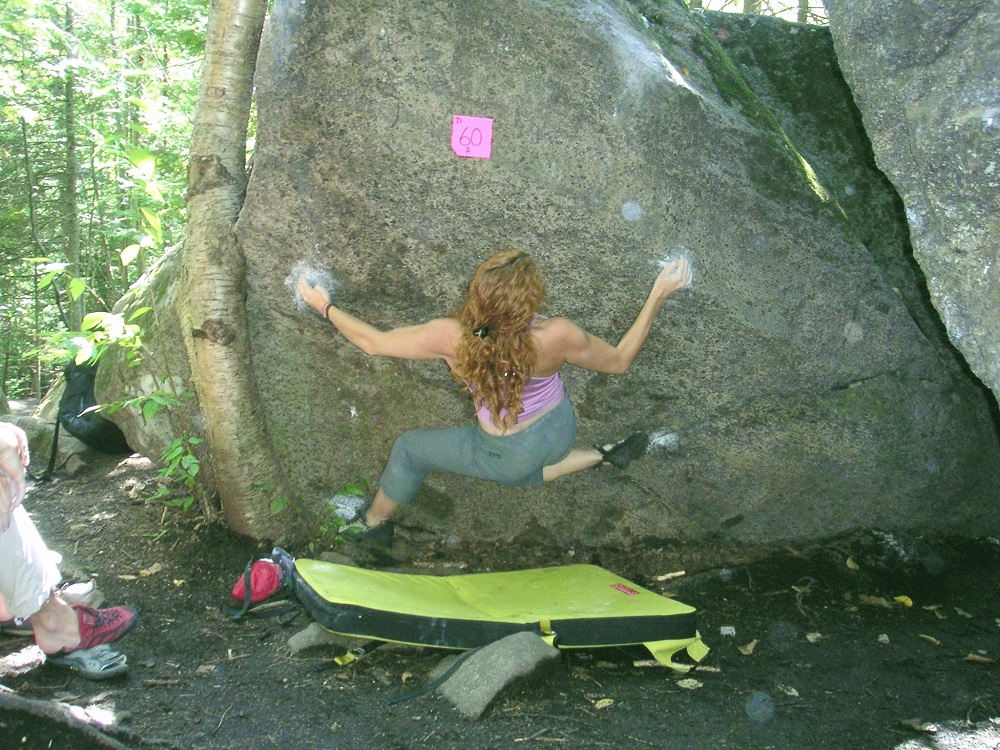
(628, 450)
(358, 531)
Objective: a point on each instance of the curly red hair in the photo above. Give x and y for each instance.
(496, 353)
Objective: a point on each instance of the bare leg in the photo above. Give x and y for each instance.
(4, 612)
(577, 460)
(56, 626)
(381, 510)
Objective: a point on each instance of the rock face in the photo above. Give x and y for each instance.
(792, 392)
(926, 77)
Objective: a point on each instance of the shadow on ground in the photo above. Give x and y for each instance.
(867, 641)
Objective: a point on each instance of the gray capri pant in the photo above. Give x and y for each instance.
(511, 460)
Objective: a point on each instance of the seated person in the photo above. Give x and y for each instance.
(28, 574)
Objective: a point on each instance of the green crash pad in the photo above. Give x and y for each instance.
(573, 606)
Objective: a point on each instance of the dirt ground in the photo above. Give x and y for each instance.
(821, 653)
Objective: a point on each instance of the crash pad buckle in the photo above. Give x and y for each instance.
(548, 634)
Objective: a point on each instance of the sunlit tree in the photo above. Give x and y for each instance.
(94, 123)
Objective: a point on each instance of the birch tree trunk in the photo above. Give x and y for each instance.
(237, 448)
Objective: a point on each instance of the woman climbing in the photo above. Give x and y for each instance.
(509, 357)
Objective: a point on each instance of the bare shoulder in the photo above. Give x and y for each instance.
(445, 326)
(557, 339)
(445, 334)
(556, 331)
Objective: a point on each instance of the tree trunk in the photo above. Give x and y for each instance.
(29, 180)
(71, 215)
(212, 309)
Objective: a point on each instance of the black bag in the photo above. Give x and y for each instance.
(79, 419)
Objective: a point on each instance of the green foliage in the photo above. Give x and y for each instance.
(322, 520)
(96, 106)
(181, 465)
(107, 88)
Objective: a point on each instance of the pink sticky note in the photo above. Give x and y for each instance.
(472, 136)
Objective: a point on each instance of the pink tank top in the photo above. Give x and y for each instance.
(539, 395)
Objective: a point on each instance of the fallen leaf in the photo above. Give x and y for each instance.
(669, 576)
(919, 726)
(603, 703)
(689, 683)
(978, 659)
(852, 564)
(789, 691)
(930, 639)
(646, 663)
(179, 582)
(883, 639)
(814, 637)
(151, 570)
(127, 577)
(904, 600)
(878, 601)
(707, 668)
(748, 649)
(606, 665)
(962, 613)
(205, 669)
(406, 677)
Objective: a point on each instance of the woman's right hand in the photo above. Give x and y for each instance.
(676, 275)
(315, 296)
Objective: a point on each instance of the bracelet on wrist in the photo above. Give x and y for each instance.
(326, 310)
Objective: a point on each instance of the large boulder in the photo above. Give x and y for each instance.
(926, 77)
(792, 392)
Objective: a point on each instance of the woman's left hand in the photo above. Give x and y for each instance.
(315, 296)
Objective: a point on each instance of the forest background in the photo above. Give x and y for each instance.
(97, 106)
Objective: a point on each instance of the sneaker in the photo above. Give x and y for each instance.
(99, 626)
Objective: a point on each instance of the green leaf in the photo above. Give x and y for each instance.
(143, 161)
(150, 409)
(85, 350)
(153, 224)
(153, 191)
(94, 320)
(47, 279)
(128, 254)
(77, 287)
(278, 505)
